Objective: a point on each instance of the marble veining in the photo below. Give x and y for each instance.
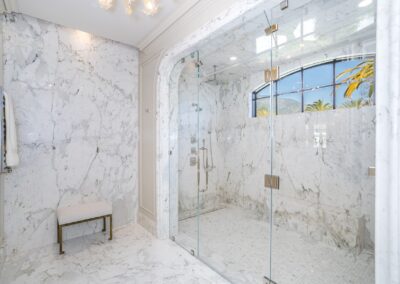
(325, 194)
(76, 105)
(236, 243)
(133, 256)
(164, 109)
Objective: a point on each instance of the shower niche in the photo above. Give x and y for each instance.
(272, 141)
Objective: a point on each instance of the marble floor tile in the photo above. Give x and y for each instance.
(133, 256)
(235, 242)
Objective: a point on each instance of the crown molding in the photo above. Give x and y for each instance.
(165, 24)
(9, 6)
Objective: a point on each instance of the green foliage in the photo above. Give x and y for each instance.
(318, 106)
(355, 103)
(262, 111)
(356, 76)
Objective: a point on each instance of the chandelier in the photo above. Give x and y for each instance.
(150, 7)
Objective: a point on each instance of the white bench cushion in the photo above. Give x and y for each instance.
(81, 212)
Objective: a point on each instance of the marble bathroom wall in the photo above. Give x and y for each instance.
(196, 119)
(325, 193)
(76, 105)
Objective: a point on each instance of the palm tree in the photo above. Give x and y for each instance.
(262, 111)
(364, 72)
(355, 103)
(318, 106)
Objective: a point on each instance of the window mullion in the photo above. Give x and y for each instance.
(334, 84)
(302, 89)
(276, 98)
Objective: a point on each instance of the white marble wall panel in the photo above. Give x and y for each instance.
(196, 139)
(325, 194)
(387, 259)
(76, 104)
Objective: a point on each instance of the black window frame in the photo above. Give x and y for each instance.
(334, 84)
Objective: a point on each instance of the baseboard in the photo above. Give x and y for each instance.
(148, 223)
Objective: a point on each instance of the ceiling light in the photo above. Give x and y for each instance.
(106, 4)
(129, 6)
(233, 58)
(364, 3)
(150, 7)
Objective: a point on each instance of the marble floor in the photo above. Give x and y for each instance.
(133, 256)
(235, 243)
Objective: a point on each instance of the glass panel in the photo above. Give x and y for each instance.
(234, 204)
(356, 79)
(290, 83)
(317, 76)
(318, 99)
(322, 157)
(265, 92)
(346, 65)
(184, 144)
(360, 97)
(290, 103)
(263, 107)
(318, 227)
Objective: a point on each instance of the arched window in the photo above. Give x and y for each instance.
(339, 83)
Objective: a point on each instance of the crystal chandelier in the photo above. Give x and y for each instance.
(151, 7)
(106, 4)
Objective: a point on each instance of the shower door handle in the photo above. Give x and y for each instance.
(198, 173)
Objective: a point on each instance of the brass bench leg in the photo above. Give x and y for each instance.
(60, 241)
(104, 224)
(110, 228)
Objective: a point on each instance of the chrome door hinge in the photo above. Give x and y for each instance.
(271, 181)
(271, 29)
(284, 4)
(271, 74)
(371, 171)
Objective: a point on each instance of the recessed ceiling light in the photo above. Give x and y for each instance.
(364, 3)
(233, 58)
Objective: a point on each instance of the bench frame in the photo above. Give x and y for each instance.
(60, 227)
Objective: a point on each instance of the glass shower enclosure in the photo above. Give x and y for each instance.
(272, 145)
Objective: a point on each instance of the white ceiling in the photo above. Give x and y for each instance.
(86, 15)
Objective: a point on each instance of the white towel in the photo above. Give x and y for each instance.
(12, 158)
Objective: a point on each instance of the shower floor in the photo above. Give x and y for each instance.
(235, 243)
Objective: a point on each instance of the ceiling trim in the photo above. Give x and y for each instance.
(10, 6)
(165, 24)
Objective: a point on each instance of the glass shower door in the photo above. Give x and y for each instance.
(235, 205)
(323, 142)
(184, 152)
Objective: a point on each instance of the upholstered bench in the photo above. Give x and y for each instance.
(71, 215)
